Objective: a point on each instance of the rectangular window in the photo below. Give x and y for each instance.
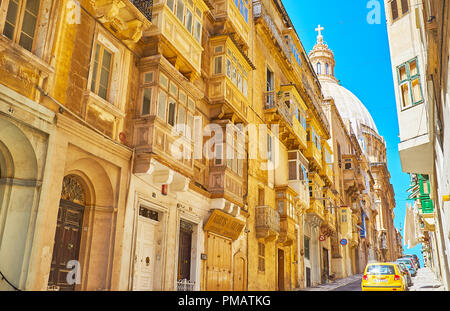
(163, 81)
(180, 10)
(394, 10)
(228, 68)
(218, 65)
(198, 31)
(245, 88)
(409, 83)
(261, 257)
(146, 101)
(190, 125)
(102, 71)
(405, 6)
(21, 21)
(269, 148)
(306, 247)
(188, 20)
(171, 4)
(174, 89)
(171, 112)
(181, 119)
(162, 105)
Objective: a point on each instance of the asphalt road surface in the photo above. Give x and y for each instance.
(353, 287)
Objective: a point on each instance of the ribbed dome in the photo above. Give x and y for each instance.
(348, 105)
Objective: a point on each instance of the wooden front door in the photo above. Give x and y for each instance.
(67, 244)
(145, 255)
(218, 264)
(239, 274)
(184, 252)
(325, 265)
(281, 270)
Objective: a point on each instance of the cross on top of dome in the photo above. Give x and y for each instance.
(319, 36)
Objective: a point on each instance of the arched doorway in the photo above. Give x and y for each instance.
(66, 249)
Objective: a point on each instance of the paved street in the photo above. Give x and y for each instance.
(425, 280)
(352, 283)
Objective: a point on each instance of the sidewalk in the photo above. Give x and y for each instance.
(425, 280)
(334, 284)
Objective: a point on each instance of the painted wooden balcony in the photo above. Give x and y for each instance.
(316, 208)
(234, 18)
(327, 173)
(279, 112)
(228, 89)
(314, 156)
(286, 201)
(267, 27)
(330, 221)
(180, 43)
(301, 187)
(224, 183)
(267, 223)
(291, 97)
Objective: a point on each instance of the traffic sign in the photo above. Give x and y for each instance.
(344, 242)
(322, 238)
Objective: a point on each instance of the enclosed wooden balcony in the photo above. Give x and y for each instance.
(233, 17)
(177, 34)
(316, 207)
(330, 221)
(327, 165)
(314, 156)
(292, 98)
(266, 26)
(301, 187)
(228, 85)
(286, 200)
(279, 112)
(224, 183)
(267, 223)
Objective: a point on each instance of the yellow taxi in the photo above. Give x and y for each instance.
(382, 276)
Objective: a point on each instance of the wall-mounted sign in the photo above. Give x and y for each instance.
(343, 242)
(322, 238)
(224, 224)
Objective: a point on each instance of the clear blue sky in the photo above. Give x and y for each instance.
(363, 66)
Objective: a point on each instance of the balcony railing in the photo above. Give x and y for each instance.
(185, 286)
(145, 6)
(267, 222)
(271, 102)
(258, 12)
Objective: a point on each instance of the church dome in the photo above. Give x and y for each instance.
(349, 106)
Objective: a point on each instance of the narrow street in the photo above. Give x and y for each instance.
(354, 286)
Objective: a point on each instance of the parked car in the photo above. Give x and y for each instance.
(406, 273)
(409, 264)
(383, 276)
(415, 259)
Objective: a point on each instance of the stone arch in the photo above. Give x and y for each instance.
(17, 151)
(99, 223)
(19, 190)
(96, 179)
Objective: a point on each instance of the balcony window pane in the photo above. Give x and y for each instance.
(394, 10)
(245, 88)
(162, 105)
(402, 73)
(239, 82)
(417, 93)
(292, 170)
(146, 101)
(181, 118)
(163, 81)
(228, 68)
(406, 95)
(94, 73)
(218, 65)
(188, 20)
(198, 31)
(171, 112)
(190, 125)
(180, 10)
(11, 19)
(413, 68)
(171, 4)
(405, 6)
